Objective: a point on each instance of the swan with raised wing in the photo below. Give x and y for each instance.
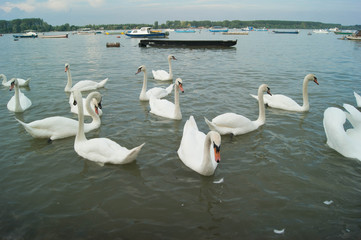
(346, 142)
(165, 108)
(231, 123)
(198, 151)
(163, 75)
(59, 127)
(21, 82)
(286, 103)
(157, 92)
(94, 104)
(19, 102)
(84, 85)
(100, 150)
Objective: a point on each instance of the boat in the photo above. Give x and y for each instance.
(346, 32)
(185, 31)
(235, 33)
(286, 32)
(86, 31)
(218, 29)
(355, 36)
(28, 34)
(333, 29)
(321, 31)
(187, 43)
(145, 32)
(113, 44)
(54, 36)
(261, 29)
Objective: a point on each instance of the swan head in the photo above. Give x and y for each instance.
(179, 84)
(216, 145)
(171, 57)
(13, 83)
(97, 105)
(312, 77)
(265, 88)
(66, 67)
(141, 69)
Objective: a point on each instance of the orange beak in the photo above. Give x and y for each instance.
(96, 110)
(181, 87)
(315, 80)
(217, 154)
(66, 69)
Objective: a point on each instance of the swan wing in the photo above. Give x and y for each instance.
(23, 82)
(231, 123)
(191, 147)
(358, 99)
(157, 92)
(161, 107)
(282, 102)
(88, 85)
(161, 75)
(104, 150)
(56, 127)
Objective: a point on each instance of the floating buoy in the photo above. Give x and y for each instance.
(115, 44)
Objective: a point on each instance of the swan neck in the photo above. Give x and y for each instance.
(145, 80)
(177, 112)
(306, 104)
(17, 98)
(170, 68)
(69, 84)
(262, 114)
(80, 136)
(206, 161)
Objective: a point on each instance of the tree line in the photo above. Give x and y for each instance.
(38, 25)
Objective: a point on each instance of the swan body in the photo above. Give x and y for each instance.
(162, 75)
(84, 85)
(346, 142)
(100, 150)
(286, 103)
(21, 82)
(93, 104)
(157, 92)
(198, 151)
(59, 127)
(19, 102)
(231, 123)
(165, 108)
(358, 99)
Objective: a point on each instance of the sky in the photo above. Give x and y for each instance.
(83, 12)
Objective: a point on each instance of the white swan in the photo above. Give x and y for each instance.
(358, 99)
(198, 151)
(19, 102)
(59, 127)
(165, 108)
(346, 142)
(101, 150)
(94, 104)
(157, 92)
(163, 75)
(21, 82)
(84, 85)
(238, 124)
(286, 103)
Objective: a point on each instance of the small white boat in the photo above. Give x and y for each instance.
(320, 31)
(145, 32)
(54, 36)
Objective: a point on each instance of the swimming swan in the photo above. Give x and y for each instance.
(165, 108)
(286, 103)
(100, 150)
(84, 85)
(59, 127)
(19, 102)
(157, 92)
(21, 82)
(94, 104)
(238, 124)
(198, 151)
(163, 75)
(346, 142)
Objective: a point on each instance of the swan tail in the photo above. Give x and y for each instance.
(354, 116)
(26, 127)
(27, 82)
(358, 99)
(103, 82)
(210, 124)
(170, 88)
(254, 96)
(333, 120)
(133, 154)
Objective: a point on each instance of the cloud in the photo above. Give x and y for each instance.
(27, 6)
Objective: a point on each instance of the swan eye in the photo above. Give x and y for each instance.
(100, 105)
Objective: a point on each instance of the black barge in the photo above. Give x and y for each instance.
(187, 43)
